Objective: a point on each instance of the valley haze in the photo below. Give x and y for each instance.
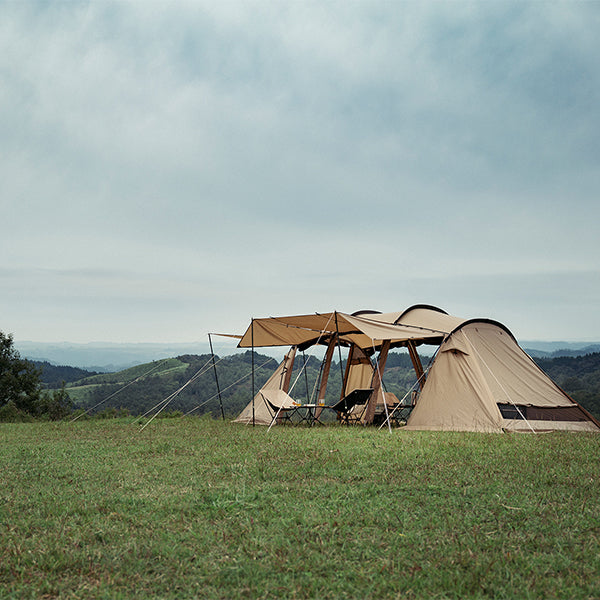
(108, 357)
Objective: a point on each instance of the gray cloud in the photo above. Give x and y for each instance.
(193, 164)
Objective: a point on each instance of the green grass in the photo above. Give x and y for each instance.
(195, 508)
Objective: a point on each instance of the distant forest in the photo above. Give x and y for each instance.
(579, 376)
(54, 376)
(151, 383)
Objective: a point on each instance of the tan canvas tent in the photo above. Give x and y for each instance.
(480, 379)
(272, 398)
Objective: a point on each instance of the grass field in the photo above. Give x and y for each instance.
(195, 508)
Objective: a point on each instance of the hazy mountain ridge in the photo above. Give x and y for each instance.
(572, 349)
(104, 357)
(107, 357)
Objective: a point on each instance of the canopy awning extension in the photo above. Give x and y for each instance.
(368, 331)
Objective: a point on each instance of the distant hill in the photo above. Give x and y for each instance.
(555, 349)
(52, 376)
(104, 357)
(139, 388)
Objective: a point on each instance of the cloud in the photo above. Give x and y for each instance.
(255, 158)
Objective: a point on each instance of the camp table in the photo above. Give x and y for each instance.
(310, 414)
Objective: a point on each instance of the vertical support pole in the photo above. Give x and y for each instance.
(416, 361)
(347, 373)
(252, 358)
(216, 378)
(305, 376)
(337, 332)
(383, 353)
(325, 376)
(326, 367)
(286, 376)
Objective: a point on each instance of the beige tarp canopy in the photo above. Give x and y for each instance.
(364, 330)
(479, 380)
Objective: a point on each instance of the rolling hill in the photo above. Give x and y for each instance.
(138, 389)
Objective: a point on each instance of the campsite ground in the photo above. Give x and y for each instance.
(200, 508)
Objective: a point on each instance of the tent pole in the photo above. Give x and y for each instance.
(325, 375)
(252, 358)
(347, 373)
(216, 378)
(286, 375)
(383, 353)
(337, 333)
(305, 376)
(416, 361)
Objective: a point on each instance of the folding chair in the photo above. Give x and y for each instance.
(280, 404)
(402, 410)
(352, 406)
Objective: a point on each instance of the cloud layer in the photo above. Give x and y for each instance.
(173, 168)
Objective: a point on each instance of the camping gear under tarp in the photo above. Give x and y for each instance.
(480, 379)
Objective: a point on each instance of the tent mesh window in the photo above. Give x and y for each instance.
(511, 411)
(538, 413)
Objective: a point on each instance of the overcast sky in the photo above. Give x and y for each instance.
(173, 168)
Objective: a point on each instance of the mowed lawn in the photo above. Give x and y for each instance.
(196, 508)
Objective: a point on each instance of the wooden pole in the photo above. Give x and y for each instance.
(337, 332)
(347, 372)
(383, 353)
(326, 367)
(416, 361)
(286, 376)
(325, 374)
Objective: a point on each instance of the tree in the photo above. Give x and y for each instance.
(55, 405)
(19, 379)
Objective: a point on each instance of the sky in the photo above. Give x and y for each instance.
(169, 169)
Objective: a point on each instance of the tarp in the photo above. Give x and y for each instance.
(364, 331)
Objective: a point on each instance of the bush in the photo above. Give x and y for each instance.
(56, 405)
(9, 413)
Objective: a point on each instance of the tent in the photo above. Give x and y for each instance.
(479, 380)
(272, 398)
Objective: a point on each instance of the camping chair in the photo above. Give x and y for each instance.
(383, 412)
(280, 404)
(401, 411)
(352, 406)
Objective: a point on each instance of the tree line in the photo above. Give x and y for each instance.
(21, 394)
